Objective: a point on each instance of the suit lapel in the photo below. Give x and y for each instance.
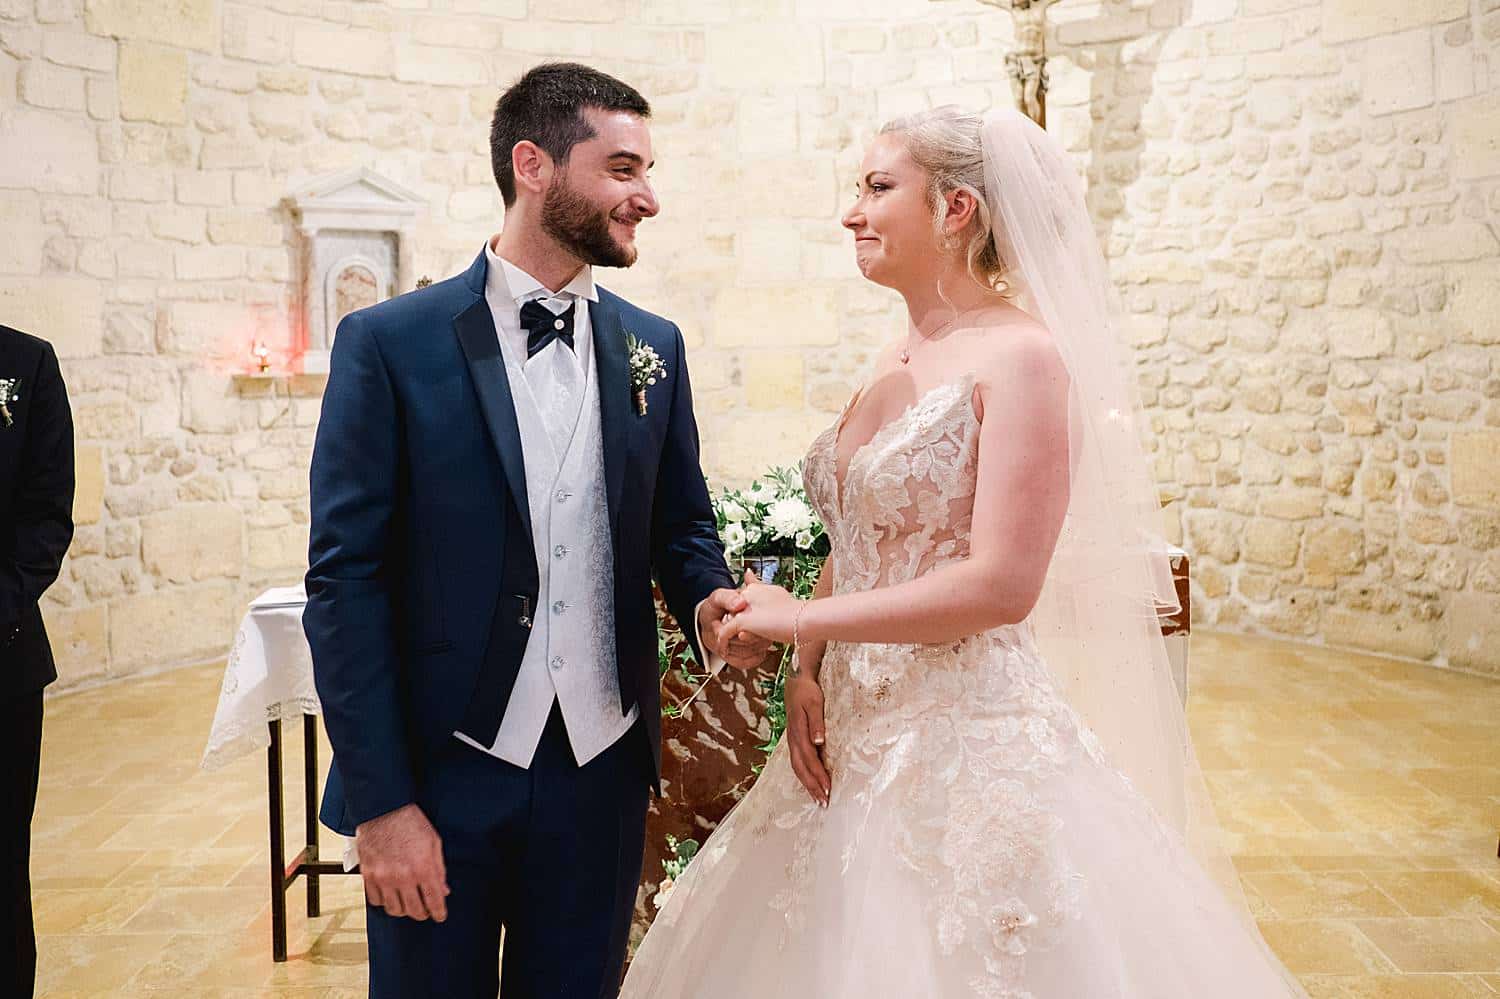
(481, 346)
(615, 413)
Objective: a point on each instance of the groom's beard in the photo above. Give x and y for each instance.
(582, 229)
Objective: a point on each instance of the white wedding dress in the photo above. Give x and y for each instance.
(977, 841)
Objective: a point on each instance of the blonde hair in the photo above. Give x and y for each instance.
(945, 142)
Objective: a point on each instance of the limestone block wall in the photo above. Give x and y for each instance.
(1298, 199)
(1300, 202)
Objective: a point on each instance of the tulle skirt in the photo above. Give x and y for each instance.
(965, 852)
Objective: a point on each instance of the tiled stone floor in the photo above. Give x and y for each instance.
(1361, 796)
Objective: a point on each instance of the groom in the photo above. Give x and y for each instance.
(493, 486)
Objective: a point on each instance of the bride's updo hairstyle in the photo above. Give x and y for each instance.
(945, 142)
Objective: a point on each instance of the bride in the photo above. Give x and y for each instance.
(1003, 802)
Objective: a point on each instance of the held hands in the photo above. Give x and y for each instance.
(769, 612)
(401, 860)
(739, 649)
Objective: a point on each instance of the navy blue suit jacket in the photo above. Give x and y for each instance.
(421, 549)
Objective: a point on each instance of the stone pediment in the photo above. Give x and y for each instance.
(354, 253)
(355, 199)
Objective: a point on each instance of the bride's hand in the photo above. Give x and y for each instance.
(804, 735)
(772, 613)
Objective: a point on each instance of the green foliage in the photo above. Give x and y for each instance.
(672, 649)
(683, 851)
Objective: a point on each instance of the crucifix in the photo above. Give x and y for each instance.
(1027, 62)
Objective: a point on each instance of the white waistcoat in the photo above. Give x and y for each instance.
(570, 656)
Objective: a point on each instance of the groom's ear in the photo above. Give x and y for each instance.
(532, 167)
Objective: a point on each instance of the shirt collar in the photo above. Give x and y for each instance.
(512, 282)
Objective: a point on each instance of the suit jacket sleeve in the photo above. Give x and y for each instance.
(349, 617)
(685, 547)
(42, 522)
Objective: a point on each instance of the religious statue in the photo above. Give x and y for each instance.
(1027, 62)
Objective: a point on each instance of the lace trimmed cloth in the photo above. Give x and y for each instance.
(268, 678)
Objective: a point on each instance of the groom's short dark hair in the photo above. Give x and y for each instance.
(546, 107)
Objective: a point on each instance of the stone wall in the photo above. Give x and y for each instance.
(1298, 198)
(1300, 202)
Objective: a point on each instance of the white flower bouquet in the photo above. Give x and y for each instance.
(771, 518)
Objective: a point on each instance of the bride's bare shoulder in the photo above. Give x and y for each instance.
(1011, 344)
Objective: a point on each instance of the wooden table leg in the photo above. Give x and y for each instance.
(278, 846)
(310, 783)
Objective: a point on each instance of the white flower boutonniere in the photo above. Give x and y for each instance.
(8, 395)
(646, 367)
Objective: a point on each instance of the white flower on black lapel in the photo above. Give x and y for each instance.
(9, 393)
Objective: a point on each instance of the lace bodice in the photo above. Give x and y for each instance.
(905, 503)
(902, 508)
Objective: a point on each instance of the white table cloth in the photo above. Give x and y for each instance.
(269, 677)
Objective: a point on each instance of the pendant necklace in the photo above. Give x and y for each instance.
(906, 351)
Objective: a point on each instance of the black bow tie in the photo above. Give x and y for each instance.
(542, 326)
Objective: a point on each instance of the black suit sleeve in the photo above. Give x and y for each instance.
(349, 618)
(685, 548)
(42, 507)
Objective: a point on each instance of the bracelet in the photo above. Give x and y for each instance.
(797, 640)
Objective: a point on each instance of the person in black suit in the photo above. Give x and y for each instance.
(36, 527)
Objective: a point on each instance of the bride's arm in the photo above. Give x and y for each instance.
(1020, 499)
(805, 722)
(810, 654)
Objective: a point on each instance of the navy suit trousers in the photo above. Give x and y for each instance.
(551, 854)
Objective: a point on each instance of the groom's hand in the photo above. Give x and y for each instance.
(742, 651)
(401, 859)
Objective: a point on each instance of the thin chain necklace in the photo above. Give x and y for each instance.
(924, 337)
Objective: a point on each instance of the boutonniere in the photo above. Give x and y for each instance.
(8, 395)
(645, 368)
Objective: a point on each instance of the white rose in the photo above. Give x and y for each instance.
(734, 538)
(733, 512)
(805, 540)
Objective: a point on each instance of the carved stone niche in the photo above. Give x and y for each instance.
(353, 251)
